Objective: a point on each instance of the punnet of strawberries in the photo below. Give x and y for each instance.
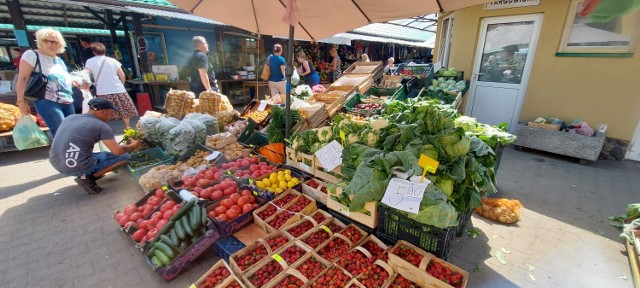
(374, 277)
(445, 274)
(311, 267)
(251, 257)
(280, 219)
(355, 262)
(292, 254)
(335, 228)
(401, 282)
(277, 242)
(215, 278)
(334, 249)
(319, 217)
(375, 250)
(334, 277)
(233, 284)
(316, 238)
(301, 203)
(266, 272)
(407, 253)
(352, 234)
(289, 281)
(285, 200)
(300, 229)
(267, 212)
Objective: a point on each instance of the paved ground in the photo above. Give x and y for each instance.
(55, 235)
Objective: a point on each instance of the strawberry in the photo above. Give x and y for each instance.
(374, 277)
(267, 212)
(280, 219)
(285, 200)
(316, 238)
(334, 249)
(266, 272)
(445, 274)
(300, 229)
(375, 250)
(300, 203)
(290, 281)
(407, 253)
(352, 234)
(401, 282)
(311, 267)
(216, 277)
(334, 277)
(355, 262)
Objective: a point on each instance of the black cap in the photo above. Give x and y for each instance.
(101, 104)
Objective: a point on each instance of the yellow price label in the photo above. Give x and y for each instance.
(277, 257)
(229, 172)
(342, 136)
(192, 286)
(428, 163)
(164, 188)
(326, 229)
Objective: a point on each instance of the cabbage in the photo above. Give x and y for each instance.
(441, 80)
(461, 85)
(450, 82)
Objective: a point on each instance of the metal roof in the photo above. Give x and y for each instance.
(424, 22)
(64, 30)
(167, 14)
(388, 30)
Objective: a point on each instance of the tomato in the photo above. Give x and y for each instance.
(126, 225)
(130, 210)
(220, 210)
(176, 208)
(236, 208)
(235, 197)
(168, 205)
(159, 193)
(232, 214)
(251, 199)
(118, 216)
(226, 203)
(147, 210)
(217, 194)
(229, 191)
(245, 192)
(143, 224)
(209, 175)
(151, 223)
(222, 218)
(123, 220)
(162, 223)
(212, 214)
(190, 183)
(167, 215)
(137, 236)
(202, 183)
(135, 216)
(144, 239)
(152, 233)
(205, 194)
(246, 208)
(242, 200)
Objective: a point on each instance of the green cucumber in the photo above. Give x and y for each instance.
(151, 251)
(203, 216)
(163, 231)
(155, 261)
(186, 207)
(195, 217)
(165, 249)
(167, 240)
(183, 245)
(185, 224)
(174, 238)
(163, 258)
(180, 230)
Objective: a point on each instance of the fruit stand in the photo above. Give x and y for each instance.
(312, 211)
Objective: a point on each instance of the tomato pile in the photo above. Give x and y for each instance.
(263, 275)
(148, 228)
(401, 282)
(280, 219)
(407, 253)
(204, 178)
(267, 212)
(316, 239)
(132, 214)
(254, 170)
(233, 206)
(300, 229)
(334, 249)
(285, 200)
(352, 234)
(334, 277)
(216, 192)
(311, 268)
(251, 257)
(292, 254)
(445, 274)
(355, 262)
(300, 203)
(241, 163)
(374, 277)
(376, 251)
(215, 278)
(290, 281)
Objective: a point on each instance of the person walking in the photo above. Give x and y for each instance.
(277, 82)
(109, 81)
(306, 70)
(336, 64)
(72, 154)
(58, 100)
(87, 53)
(203, 78)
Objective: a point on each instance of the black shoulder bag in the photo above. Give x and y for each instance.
(37, 85)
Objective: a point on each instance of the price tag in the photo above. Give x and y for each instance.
(344, 210)
(305, 167)
(277, 257)
(164, 188)
(427, 164)
(342, 136)
(263, 105)
(330, 156)
(213, 156)
(229, 172)
(325, 228)
(404, 195)
(192, 286)
(250, 181)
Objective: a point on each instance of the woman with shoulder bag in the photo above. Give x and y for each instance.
(57, 102)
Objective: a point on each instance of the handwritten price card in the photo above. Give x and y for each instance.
(405, 195)
(330, 156)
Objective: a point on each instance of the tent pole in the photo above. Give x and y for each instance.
(289, 72)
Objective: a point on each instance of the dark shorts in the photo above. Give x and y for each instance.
(101, 161)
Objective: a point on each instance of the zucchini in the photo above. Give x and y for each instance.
(180, 230)
(174, 238)
(185, 224)
(151, 251)
(167, 240)
(194, 219)
(163, 258)
(155, 261)
(165, 249)
(203, 216)
(163, 231)
(183, 245)
(186, 207)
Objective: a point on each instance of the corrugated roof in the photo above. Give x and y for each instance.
(86, 31)
(388, 30)
(183, 16)
(160, 3)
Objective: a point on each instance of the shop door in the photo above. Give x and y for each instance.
(503, 62)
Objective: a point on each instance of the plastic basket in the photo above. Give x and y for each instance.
(193, 150)
(391, 93)
(248, 131)
(155, 153)
(227, 246)
(257, 139)
(394, 226)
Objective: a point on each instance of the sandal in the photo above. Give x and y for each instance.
(89, 185)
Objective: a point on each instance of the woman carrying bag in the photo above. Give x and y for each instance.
(56, 102)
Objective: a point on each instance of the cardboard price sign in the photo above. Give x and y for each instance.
(405, 195)
(427, 164)
(330, 156)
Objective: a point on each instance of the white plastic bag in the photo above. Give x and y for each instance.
(86, 97)
(295, 78)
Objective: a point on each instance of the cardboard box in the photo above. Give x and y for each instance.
(228, 228)
(370, 221)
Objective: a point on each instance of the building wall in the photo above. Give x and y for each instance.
(596, 90)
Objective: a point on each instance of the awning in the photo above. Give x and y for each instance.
(167, 14)
(425, 44)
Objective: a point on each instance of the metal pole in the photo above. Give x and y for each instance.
(289, 72)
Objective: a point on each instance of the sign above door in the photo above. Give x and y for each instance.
(504, 4)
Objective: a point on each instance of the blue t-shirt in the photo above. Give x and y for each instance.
(275, 62)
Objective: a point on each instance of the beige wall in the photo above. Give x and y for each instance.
(596, 90)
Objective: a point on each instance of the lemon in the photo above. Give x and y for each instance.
(273, 177)
(295, 180)
(260, 185)
(280, 178)
(266, 182)
(287, 177)
(291, 184)
(283, 185)
(275, 185)
(278, 190)
(280, 173)
(287, 171)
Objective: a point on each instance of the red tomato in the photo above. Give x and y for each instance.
(151, 223)
(135, 216)
(217, 194)
(152, 233)
(226, 203)
(222, 218)
(235, 197)
(236, 208)
(143, 224)
(229, 191)
(123, 220)
(167, 215)
(246, 208)
(156, 215)
(130, 210)
(205, 194)
(209, 175)
(126, 225)
(251, 199)
(159, 193)
(190, 183)
(202, 183)
(168, 205)
(137, 236)
(197, 189)
(147, 210)
(220, 210)
(118, 216)
(242, 200)
(176, 208)
(162, 223)
(232, 214)
(212, 214)
(129, 206)
(245, 192)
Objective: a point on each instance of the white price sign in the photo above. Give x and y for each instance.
(405, 195)
(212, 156)
(330, 156)
(263, 105)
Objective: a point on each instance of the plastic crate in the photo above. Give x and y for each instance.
(357, 99)
(398, 93)
(227, 246)
(149, 154)
(248, 131)
(410, 85)
(257, 139)
(394, 226)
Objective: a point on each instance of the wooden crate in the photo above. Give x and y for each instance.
(270, 229)
(307, 210)
(362, 81)
(307, 257)
(321, 172)
(386, 267)
(218, 264)
(390, 283)
(370, 221)
(250, 248)
(333, 102)
(546, 126)
(320, 228)
(375, 240)
(231, 280)
(301, 161)
(375, 68)
(314, 193)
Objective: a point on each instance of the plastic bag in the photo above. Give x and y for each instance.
(164, 126)
(27, 135)
(500, 209)
(209, 121)
(179, 139)
(295, 78)
(199, 129)
(86, 97)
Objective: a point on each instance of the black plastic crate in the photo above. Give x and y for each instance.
(394, 226)
(227, 246)
(463, 220)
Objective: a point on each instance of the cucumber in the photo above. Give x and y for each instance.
(174, 238)
(180, 231)
(167, 240)
(203, 230)
(164, 248)
(155, 261)
(186, 207)
(194, 219)
(163, 231)
(183, 245)
(185, 224)
(203, 216)
(194, 239)
(163, 258)
(151, 251)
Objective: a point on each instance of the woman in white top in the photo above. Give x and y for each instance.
(58, 100)
(109, 81)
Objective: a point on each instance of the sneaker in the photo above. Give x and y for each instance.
(89, 185)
